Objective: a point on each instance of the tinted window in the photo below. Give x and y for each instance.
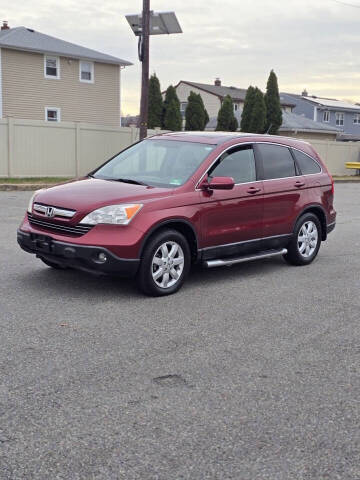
(307, 164)
(278, 162)
(240, 165)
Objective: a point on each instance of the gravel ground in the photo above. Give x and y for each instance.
(249, 372)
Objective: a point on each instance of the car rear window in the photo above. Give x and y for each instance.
(307, 165)
(277, 160)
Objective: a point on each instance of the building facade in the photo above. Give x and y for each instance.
(45, 78)
(213, 95)
(342, 115)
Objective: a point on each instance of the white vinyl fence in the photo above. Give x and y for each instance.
(34, 148)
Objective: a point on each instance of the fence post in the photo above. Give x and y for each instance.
(10, 145)
(77, 149)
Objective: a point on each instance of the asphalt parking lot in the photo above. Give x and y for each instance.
(249, 372)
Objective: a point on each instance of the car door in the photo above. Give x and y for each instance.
(284, 189)
(232, 219)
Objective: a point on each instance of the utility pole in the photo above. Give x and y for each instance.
(144, 58)
(143, 25)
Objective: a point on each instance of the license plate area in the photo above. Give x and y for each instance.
(42, 242)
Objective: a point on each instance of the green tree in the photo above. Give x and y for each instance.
(247, 110)
(226, 120)
(174, 120)
(206, 115)
(273, 107)
(195, 116)
(258, 114)
(155, 103)
(234, 124)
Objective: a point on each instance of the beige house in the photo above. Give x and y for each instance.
(45, 78)
(214, 94)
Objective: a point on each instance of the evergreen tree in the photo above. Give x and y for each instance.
(176, 123)
(234, 124)
(173, 119)
(206, 115)
(247, 110)
(273, 107)
(195, 113)
(226, 120)
(258, 114)
(155, 103)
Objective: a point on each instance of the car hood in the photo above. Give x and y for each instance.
(87, 194)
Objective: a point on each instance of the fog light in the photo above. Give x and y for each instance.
(102, 257)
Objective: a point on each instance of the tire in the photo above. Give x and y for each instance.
(305, 244)
(57, 266)
(165, 264)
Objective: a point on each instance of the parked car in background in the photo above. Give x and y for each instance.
(181, 198)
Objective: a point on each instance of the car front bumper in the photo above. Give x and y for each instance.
(80, 257)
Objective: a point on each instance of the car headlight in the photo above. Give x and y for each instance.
(31, 201)
(113, 214)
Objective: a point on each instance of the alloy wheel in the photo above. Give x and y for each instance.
(167, 264)
(307, 239)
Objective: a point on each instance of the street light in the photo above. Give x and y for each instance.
(143, 25)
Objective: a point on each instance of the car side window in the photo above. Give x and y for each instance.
(307, 165)
(277, 161)
(238, 164)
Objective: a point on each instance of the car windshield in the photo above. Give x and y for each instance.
(160, 163)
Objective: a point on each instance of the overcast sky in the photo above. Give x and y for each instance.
(309, 43)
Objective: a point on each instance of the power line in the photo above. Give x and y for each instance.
(346, 4)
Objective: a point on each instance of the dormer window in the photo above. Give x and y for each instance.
(51, 67)
(86, 72)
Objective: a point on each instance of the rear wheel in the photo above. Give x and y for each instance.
(306, 241)
(57, 266)
(165, 264)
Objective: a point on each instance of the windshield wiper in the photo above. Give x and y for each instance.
(130, 180)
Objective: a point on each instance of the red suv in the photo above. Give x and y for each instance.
(176, 199)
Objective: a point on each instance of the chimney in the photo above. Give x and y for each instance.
(217, 82)
(305, 93)
(5, 25)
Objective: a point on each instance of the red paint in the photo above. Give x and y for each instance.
(219, 216)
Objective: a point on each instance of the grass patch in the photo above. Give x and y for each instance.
(35, 180)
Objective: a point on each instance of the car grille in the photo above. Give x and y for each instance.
(74, 230)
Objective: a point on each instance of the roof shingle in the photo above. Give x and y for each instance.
(22, 38)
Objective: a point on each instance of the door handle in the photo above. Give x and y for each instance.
(299, 184)
(253, 190)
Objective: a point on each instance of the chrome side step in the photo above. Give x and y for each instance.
(221, 262)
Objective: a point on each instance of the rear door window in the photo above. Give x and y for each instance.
(238, 164)
(277, 161)
(307, 165)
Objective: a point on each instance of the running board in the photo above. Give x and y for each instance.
(221, 262)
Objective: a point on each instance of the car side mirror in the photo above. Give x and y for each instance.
(221, 183)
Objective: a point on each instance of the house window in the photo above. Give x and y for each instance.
(326, 116)
(339, 117)
(51, 67)
(236, 106)
(86, 73)
(52, 114)
(357, 119)
(183, 106)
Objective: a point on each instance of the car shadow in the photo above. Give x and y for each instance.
(77, 283)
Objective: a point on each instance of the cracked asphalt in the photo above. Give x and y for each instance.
(249, 372)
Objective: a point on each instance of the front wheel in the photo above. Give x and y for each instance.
(165, 264)
(306, 241)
